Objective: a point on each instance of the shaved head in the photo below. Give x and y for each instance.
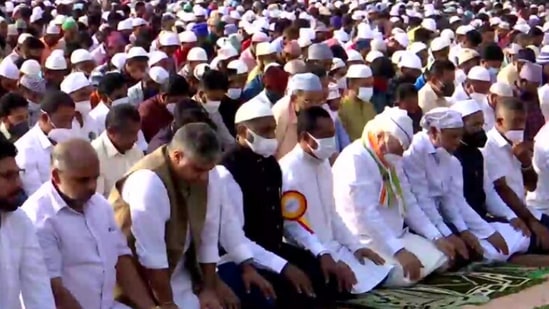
(75, 169)
(73, 154)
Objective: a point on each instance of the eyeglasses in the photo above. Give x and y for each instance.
(12, 175)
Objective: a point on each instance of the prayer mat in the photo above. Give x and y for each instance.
(473, 285)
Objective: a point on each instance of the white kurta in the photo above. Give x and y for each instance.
(357, 189)
(24, 279)
(437, 181)
(539, 199)
(311, 179)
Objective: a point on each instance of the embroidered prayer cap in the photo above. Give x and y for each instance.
(466, 107)
(531, 72)
(252, 110)
(305, 82)
(394, 121)
(501, 89)
(34, 83)
(73, 82)
(479, 73)
(9, 70)
(441, 118)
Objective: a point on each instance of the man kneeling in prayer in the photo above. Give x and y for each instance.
(373, 196)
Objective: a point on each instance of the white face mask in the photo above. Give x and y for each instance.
(342, 83)
(365, 93)
(83, 107)
(60, 135)
(325, 147)
(234, 93)
(33, 107)
(212, 106)
(171, 108)
(262, 146)
(120, 101)
(393, 159)
(515, 136)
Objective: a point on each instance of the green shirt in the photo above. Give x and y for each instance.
(354, 114)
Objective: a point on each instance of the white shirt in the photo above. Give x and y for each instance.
(113, 164)
(22, 270)
(149, 205)
(313, 179)
(539, 199)
(262, 98)
(436, 179)
(98, 115)
(233, 205)
(33, 156)
(357, 188)
(80, 248)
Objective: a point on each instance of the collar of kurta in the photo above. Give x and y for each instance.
(43, 139)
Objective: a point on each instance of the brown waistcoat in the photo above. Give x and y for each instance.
(187, 206)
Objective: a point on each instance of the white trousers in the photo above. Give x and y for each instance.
(427, 253)
(515, 240)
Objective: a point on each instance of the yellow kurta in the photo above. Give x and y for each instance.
(354, 114)
(253, 73)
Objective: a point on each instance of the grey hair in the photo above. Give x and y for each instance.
(198, 141)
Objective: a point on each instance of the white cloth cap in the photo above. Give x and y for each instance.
(402, 39)
(410, 60)
(373, 55)
(74, 81)
(119, 60)
(227, 52)
(379, 45)
(9, 70)
(252, 110)
(126, 24)
(479, 73)
(462, 30)
(359, 71)
(22, 37)
(138, 21)
(239, 66)
(80, 55)
(135, 52)
(441, 118)
(56, 62)
(466, 107)
(264, 48)
(429, 24)
(200, 69)
(168, 38)
(259, 37)
(439, 44)
(197, 54)
(30, 67)
(305, 82)
(159, 75)
(447, 34)
(397, 55)
(12, 30)
(466, 54)
(337, 63)
(156, 56)
(53, 29)
(333, 92)
(394, 121)
(501, 89)
(354, 55)
(187, 37)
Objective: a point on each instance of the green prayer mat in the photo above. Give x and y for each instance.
(474, 285)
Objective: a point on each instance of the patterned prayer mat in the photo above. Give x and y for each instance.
(475, 285)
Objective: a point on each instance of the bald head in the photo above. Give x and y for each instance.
(73, 154)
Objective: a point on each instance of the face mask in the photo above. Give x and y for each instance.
(212, 106)
(476, 140)
(447, 89)
(19, 129)
(479, 97)
(60, 135)
(272, 96)
(365, 93)
(83, 107)
(342, 83)
(393, 159)
(325, 147)
(262, 146)
(234, 93)
(493, 74)
(171, 108)
(515, 136)
(124, 100)
(33, 107)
